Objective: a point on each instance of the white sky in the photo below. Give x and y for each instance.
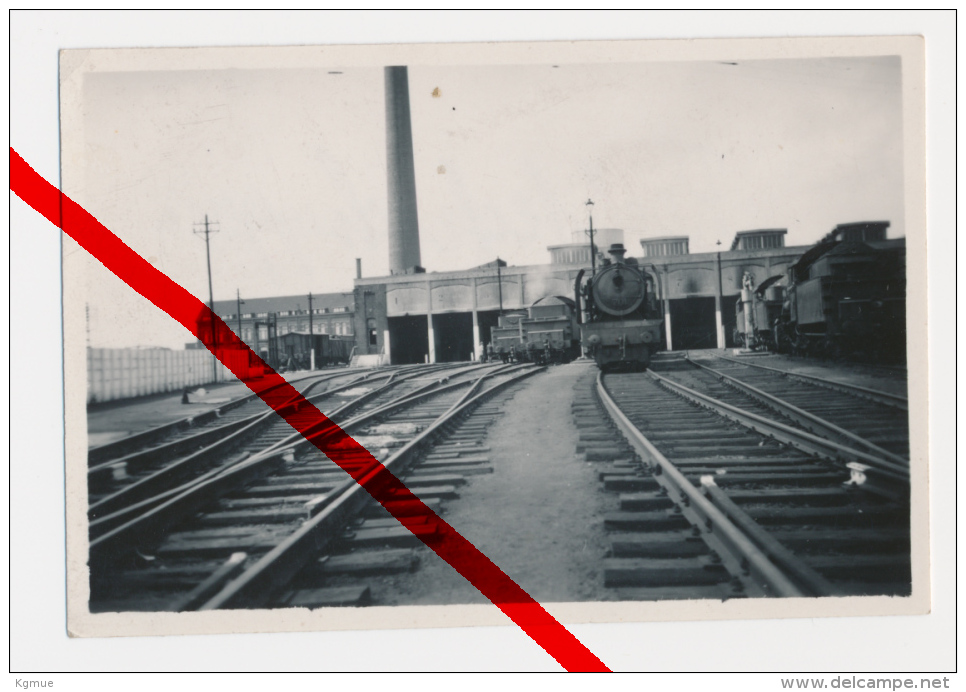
(291, 163)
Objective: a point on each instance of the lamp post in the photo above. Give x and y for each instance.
(499, 281)
(311, 338)
(593, 255)
(273, 343)
(213, 336)
(239, 303)
(310, 314)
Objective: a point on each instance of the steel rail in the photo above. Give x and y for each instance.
(156, 488)
(257, 583)
(498, 369)
(881, 397)
(296, 436)
(711, 521)
(302, 441)
(191, 443)
(106, 453)
(805, 441)
(122, 532)
(814, 423)
(109, 450)
(803, 574)
(231, 436)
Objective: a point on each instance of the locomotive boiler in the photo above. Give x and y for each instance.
(618, 312)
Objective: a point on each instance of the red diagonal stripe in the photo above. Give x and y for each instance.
(195, 316)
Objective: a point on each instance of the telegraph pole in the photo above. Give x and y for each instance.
(277, 364)
(311, 337)
(310, 313)
(499, 279)
(211, 296)
(240, 302)
(593, 255)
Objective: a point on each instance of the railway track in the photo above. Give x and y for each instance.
(723, 498)
(240, 536)
(873, 422)
(112, 476)
(190, 426)
(879, 394)
(137, 480)
(187, 433)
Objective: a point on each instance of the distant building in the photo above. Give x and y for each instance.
(577, 251)
(699, 291)
(662, 247)
(762, 239)
(571, 253)
(332, 314)
(446, 316)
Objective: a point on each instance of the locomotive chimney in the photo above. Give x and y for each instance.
(358, 267)
(617, 252)
(403, 221)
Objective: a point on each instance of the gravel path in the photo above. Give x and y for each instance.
(537, 516)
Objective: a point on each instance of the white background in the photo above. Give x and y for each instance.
(38, 633)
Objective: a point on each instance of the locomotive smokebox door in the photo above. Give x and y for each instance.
(618, 290)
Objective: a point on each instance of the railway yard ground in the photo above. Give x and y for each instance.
(536, 515)
(890, 379)
(114, 420)
(711, 476)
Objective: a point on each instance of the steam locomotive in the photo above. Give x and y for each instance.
(844, 297)
(545, 333)
(757, 313)
(618, 313)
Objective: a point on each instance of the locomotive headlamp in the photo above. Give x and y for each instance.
(594, 339)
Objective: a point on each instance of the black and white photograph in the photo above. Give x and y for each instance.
(639, 323)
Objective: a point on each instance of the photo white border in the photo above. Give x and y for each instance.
(844, 642)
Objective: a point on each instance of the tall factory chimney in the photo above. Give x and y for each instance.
(403, 221)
